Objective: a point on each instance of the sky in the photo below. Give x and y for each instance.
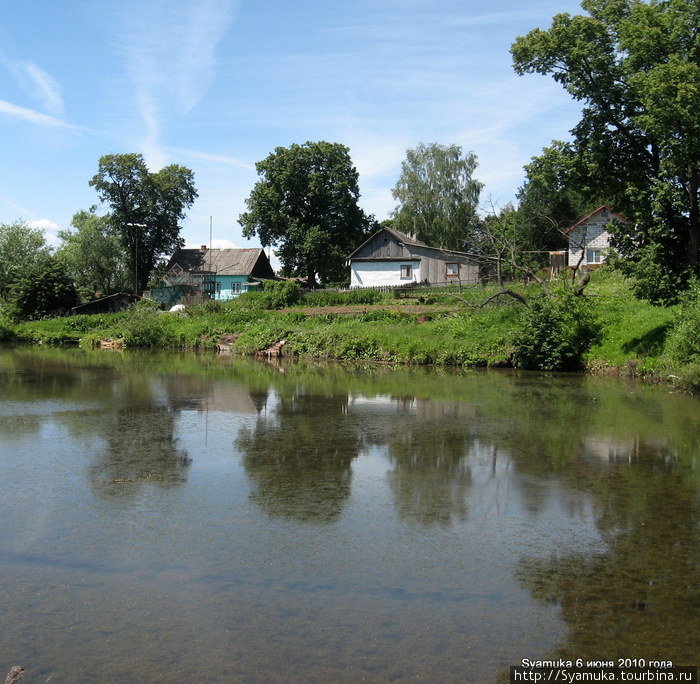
(217, 85)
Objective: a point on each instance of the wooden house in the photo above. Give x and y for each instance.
(390, 258)
(589, 238)
(219, 274)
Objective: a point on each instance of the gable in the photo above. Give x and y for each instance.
(384, 244)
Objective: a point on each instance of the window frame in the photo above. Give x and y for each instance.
(594, 256)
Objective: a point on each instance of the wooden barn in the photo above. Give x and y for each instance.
(390, 258)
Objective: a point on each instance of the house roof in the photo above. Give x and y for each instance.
(220, 261)
(613, 215)
(406, 240)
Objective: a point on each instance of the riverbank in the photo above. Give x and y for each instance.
(607, 331)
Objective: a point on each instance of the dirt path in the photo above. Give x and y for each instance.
(417, 309)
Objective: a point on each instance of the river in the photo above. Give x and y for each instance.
(186, 518)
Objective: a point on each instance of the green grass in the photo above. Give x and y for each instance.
(633, 331)
(634, 334)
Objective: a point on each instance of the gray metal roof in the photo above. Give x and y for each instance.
(219, 261)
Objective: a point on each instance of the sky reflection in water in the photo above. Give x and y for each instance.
(197, 518)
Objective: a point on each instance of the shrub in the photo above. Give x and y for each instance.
(334, 298)
(683, 342)
(143, 327)
(277, 294)
(43, 291)
(554, 333)
(7, 333)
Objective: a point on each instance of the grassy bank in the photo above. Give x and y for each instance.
(609, 330)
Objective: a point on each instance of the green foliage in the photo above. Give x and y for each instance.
(44, 290)
(7, 332)
(652, 275)
(438, 196)
(153, 203)
(331, 298)
(683, 343)
(143, 328)
(306, 204)
(550, 200)
(22, 249)
(277, 294)
(635, 66)
(93, 255)
(555, 333)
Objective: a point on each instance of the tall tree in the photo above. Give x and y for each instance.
(550, 200)
(93, 255)
(306, 205)
(636, 68)
(146, 208)
(438, 196)
(21, 249)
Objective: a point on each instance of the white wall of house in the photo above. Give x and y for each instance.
(591, 237)
(381, 273)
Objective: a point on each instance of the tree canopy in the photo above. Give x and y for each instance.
(635, 67)
(306, 206)
(146, 208)
(21, 249)
(93, 255)
(438, 196)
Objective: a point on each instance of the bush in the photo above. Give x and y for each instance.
(683, 342)
(44, 291)
(7, 333)
(554, 333)
(277, 294)
(143, 327)
(333, 298)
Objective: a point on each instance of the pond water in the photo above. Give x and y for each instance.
(193, 518)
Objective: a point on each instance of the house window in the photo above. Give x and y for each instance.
(406, 271)
(217, 287)
(594, 256)
(235, 287)
(452, 270)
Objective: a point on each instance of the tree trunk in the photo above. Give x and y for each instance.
(693, 219)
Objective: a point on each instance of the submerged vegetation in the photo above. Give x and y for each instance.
(608, 330)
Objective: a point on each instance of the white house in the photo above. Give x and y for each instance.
(589, 238)
(390, 258)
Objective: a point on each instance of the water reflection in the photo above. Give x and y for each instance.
(431, 455)
(642, 592)
(140, 448)
(298, 456)
(371, 524)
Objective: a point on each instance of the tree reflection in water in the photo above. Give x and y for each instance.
(430, 453)
(641, 597)
(141, 447)
(298, 456)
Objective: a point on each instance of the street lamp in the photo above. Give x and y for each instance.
(136, 253)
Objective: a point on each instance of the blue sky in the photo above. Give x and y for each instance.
(216, 85)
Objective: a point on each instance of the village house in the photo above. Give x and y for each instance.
(219, 274)
(391, 259)
(589, 238)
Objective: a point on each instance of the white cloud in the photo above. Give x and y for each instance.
(50, 229)
(39, 84)
(215, 158)
(170, 48)
(33, 116)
